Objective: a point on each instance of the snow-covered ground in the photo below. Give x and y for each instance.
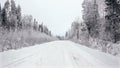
(57, 54)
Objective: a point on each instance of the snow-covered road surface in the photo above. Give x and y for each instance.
(57, 54)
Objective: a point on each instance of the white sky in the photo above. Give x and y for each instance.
(57, 15)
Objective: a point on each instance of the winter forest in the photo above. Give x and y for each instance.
(18, 31)
(99, 29)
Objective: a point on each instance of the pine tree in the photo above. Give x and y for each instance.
(0, 15)
(19, 17)
(27, 22)
(35, 26)
(91, 17)
(6, 15)
(78, 32)
(40, 28)
(73, 33)
(75, 26)
(96, 19)
(13, 7)
(112, 20)
(0, 8)
(45, 30)
(13, 16)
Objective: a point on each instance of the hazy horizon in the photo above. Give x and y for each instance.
(57, 15)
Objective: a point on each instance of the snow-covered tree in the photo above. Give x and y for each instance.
(112, 20)
(35, 25)
(0, 15)
(13, 7)
(0, 8)
(5, 15)
(78, 31)
(83, 32)
(40, 28)
(27, 22)
(19, 17)
(74, 31)
(75, 27)
(91, 17)
(13, 16)
(45, 30)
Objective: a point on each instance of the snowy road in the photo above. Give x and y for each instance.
(57, 54)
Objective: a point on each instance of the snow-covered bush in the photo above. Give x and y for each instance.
(24, 38)
(105, 46)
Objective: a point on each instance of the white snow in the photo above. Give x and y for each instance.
(57, 54)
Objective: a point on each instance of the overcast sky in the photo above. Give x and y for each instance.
(57, 15)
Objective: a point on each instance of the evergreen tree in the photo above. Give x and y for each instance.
(112, 20)
(27, 22)
(13, 7)
(6, 15)
(0, 8)
(40, 28)
(0, 15)
(35, 25)
(45, 30)
(75, 27)
(73, 33)
(78, 31)
(91, 17)
(19, 17)
(13, 16)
